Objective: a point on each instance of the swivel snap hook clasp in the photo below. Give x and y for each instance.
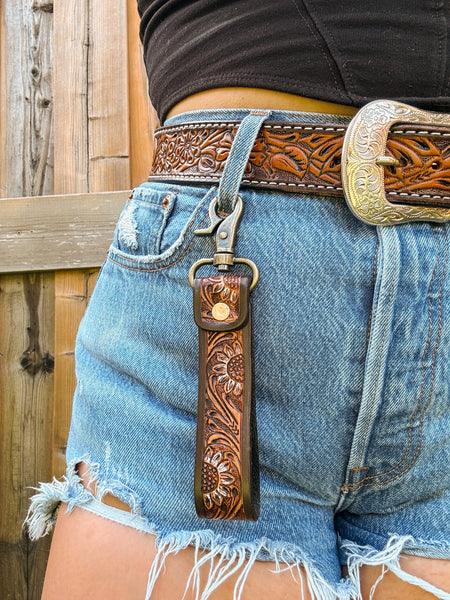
(226, 233)
(226, 228)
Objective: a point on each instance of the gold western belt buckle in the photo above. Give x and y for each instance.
(363, 159)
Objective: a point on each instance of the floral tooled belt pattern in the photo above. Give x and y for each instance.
(306, 157)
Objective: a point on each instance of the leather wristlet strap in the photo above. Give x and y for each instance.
(226, 481)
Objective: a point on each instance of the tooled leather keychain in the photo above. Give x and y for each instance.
(226, 479)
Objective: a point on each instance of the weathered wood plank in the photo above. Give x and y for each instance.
(70, 93)
(3, 100)
(26, 385)
(109, 147)
(72, 293)
(70, 89)
(143, 119)
(93, 104)
(27, 162)
(26, 301)
(57, 232)
(91, 117)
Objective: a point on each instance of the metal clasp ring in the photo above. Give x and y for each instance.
(210, 261)
(363, 157)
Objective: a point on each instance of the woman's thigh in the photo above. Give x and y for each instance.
(95, 558)
(92, 557)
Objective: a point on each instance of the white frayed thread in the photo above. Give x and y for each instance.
(384, 570)
(389, 559)
(127, 227)
(294, 568)
(41, 516)
(110, 484)
(225, 558)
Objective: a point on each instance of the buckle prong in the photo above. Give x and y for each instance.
(387, 161)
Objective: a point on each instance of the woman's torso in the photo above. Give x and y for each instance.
(344, 52)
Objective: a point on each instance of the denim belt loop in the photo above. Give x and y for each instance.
(237, 160)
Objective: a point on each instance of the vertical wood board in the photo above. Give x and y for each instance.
(70, 89)
(72, 48)
(99, 128)
(26, 301)
(3, 101)
(109, 152)
(143, 119)
(27, 163)
(72, 293)
(26, 386)
(95, 89)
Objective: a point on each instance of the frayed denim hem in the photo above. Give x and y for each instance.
(389, 559)
(225, 556)
(44, 505)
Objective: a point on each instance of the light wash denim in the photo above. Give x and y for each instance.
(352, 340)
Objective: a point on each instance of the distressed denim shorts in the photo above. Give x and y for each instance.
(352, 343)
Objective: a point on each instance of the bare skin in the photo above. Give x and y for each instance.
(115, 560)
(93, 558)
(236, 97)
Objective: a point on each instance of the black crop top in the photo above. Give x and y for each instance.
(345, 51)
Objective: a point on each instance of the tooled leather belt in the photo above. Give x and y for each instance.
(306, 157)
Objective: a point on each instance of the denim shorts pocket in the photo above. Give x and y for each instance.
(157, 224)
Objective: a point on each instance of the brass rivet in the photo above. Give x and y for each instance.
(220, 311)
(223, 235)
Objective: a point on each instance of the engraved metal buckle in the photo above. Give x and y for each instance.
(363, 157)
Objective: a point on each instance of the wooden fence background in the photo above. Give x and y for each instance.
(75, 136)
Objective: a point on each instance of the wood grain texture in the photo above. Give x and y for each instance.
(3, 101)
(70, 88)
(91, 96)
(26, 386)
(107, 66)
(143, 118)
(26, 301)
(92, 150)
(87, 90)
(26, 365)
(71, 85)
(72, 293)
(27, 162)
(57, 232)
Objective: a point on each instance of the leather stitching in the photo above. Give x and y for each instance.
(305, 156)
